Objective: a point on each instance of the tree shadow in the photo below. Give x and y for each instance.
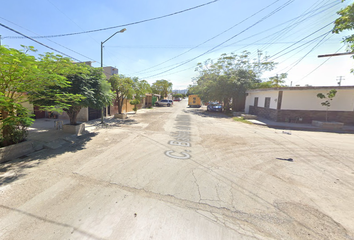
(13, 170)
(205, 113)
(111, 122)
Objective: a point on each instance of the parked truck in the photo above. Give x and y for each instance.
(194, 101)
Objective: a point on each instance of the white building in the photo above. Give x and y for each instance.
(301, 104)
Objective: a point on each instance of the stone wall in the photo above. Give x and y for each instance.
(302, 116)
(267, 113)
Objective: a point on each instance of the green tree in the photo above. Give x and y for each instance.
(123, 88)
(135, 102)
(141, 87)
(278, 80)
(22, 74)
(229, 78)
(86, 88)
(346, 22)
(328, 99)
(162, 87)
(178, 95)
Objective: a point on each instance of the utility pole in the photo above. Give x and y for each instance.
(339, 79)
(0, 40)
(121, 31)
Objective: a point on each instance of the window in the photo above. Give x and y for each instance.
(267, 102)
(255, 102)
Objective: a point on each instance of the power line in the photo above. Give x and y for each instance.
(313, 13)
(13, 30)
(123, 25)
(313, 48)
(144, 70)
(262, 19)
(300, 41)
(320, 65)
(50, 40)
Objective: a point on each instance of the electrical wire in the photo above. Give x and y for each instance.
(315, 13)
(13, 30)
(293, 24)
(320, 64)
(51, 41)
(123, 25)
(144, 70)
(313, 48)
(272, 57)
(262, 19)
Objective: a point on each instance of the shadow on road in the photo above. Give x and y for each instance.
(205, 113)
(15, 169)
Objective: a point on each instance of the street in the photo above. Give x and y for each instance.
(183, 173)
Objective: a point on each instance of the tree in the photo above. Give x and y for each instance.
(345, 22)
(20, 75)
(162, 87)
(123, 88)
(135, 102)
(177, 95)
(229, 78)
(328, 97)
(141, 88)
(278, 81)
(86, 88)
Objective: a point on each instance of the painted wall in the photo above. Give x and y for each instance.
(308, 100)
(261, 99)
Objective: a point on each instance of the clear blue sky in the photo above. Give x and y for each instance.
(168, 48)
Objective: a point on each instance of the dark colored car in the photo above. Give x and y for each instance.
(214, 107)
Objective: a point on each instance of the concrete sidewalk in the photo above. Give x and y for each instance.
(299, 126)
(45, 133)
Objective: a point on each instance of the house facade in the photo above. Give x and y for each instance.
(301, 104)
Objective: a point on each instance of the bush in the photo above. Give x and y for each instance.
(135, 102)
(15, 120)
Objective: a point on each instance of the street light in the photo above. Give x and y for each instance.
(121, 31)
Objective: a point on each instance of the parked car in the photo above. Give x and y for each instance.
(214, 107)
(177, 99)
(164, 102)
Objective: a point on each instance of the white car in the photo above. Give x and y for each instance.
(164, 102)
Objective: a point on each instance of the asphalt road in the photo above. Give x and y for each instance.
(181, 173)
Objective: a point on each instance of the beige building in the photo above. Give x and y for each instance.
(301, 104)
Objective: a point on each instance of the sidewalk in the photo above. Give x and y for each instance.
(299, 126)
(45, 134)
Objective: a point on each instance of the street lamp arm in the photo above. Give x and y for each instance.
(122, 30)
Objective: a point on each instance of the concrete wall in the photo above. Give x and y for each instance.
(308, 100)
(261, 99)
(302, 104)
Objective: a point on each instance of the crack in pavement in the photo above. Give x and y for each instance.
(265, 224)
